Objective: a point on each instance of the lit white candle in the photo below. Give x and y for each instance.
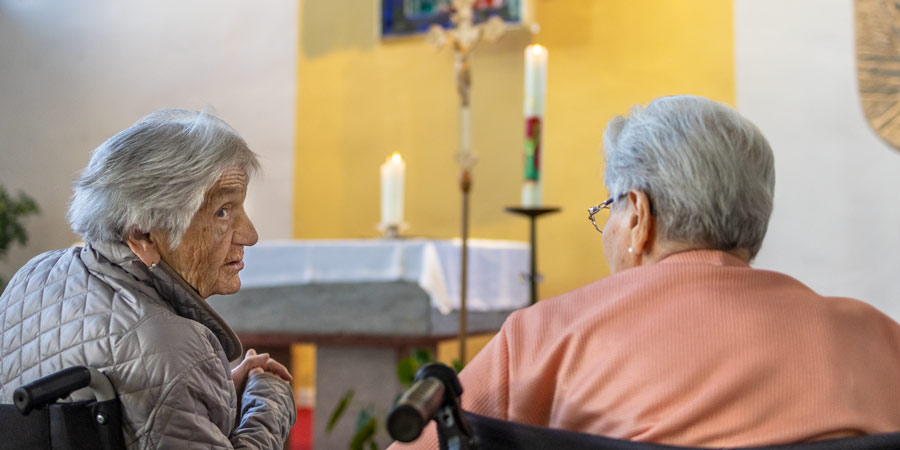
(535, 80)
(535, 94)
(392, 173)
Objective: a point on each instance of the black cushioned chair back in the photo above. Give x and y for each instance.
(18, 431)
(63, 426)
(497, 434)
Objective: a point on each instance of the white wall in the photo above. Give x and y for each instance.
(73, 74)
(836, 224)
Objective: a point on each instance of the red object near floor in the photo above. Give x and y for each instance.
(302, 433)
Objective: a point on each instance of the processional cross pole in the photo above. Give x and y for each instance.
(463, 39)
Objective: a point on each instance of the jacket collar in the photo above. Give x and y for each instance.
(169, 286)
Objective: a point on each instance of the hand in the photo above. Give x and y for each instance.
(253, 364)
(247, 367)
(275, 368)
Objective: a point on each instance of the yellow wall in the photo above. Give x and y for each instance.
(360, 99)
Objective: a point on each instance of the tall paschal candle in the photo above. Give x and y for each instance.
(535, 95)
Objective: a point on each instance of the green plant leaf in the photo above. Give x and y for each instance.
(407, 367)
(364, 434)
(457, 365)
(11, 213)
(406, 371)
(373, 445)
(364, 416)
(339, 410)
(422, 356)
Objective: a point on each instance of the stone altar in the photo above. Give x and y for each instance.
(365, 303)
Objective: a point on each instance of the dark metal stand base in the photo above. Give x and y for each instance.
(532, 214)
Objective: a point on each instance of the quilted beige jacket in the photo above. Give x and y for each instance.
(165, 350)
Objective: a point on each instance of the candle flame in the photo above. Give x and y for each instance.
(537, 49)
(395, 158)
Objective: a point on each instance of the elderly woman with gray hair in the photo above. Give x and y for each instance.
(685, 343)
(161, 209)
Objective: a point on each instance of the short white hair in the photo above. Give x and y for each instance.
(708, 171)
(154, 175)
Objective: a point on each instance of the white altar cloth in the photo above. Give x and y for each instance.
(496, 268)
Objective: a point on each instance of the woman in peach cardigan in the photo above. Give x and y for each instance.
(685, 343)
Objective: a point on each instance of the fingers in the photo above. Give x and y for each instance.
(251, 360)
(254, 363)
(278, 369)
(255, 360)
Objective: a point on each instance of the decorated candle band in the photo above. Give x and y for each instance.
(533, 148)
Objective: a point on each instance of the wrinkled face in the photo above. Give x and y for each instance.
(211, 252)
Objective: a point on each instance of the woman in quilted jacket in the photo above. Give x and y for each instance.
(160, 207)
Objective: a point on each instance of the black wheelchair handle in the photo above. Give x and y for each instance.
(435, 395)
(445, 374)
(50, 388)
(415, 409)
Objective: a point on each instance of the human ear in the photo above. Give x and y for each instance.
(144, 247)
(641, 223)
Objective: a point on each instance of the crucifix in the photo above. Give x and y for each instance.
(463, 39)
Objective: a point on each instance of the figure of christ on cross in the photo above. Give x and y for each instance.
(463, 39)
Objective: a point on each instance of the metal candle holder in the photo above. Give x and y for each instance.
(392, 230)
(532, 214)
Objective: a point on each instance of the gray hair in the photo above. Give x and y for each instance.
(154, 175)
(708, 171)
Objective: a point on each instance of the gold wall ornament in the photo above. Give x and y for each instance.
(878, 65)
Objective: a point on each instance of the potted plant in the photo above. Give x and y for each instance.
(12, 231)
(367, 419)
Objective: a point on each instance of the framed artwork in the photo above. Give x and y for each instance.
(878, 65)
(406, 17)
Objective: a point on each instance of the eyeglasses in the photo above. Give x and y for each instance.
(594, 210)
